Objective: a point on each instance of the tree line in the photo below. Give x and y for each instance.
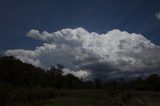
(15, 73)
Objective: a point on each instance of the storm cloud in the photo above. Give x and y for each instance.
(92, 55)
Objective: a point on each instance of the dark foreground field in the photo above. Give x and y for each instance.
(23, 84)
(50, 97)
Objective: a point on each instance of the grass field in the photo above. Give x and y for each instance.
(95, 98)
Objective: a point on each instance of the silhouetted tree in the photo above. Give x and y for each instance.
(98, 83)
(19, 74)
(153, 82)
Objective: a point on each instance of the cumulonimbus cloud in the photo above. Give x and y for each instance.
(110, 55)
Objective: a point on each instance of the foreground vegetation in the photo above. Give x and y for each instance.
(23, 84)
(83, 98)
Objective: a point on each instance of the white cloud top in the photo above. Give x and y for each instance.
(114, 54)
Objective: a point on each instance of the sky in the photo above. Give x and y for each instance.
(114, 36)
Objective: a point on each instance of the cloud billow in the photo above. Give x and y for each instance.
(84, 54)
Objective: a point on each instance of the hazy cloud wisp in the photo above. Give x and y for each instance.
(158, 15)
